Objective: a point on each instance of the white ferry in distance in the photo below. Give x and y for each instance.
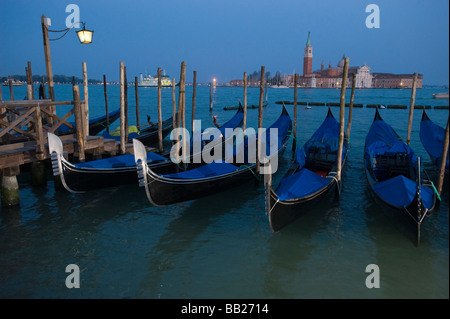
(150, 81)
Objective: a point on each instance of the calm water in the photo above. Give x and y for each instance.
(221, 246)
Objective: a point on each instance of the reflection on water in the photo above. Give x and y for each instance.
(221, 246)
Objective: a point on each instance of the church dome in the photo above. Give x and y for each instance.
(341, 63)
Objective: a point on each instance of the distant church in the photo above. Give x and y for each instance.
(332, 77)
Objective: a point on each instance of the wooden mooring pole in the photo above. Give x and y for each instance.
(260, 120)
(43, 88)
(160, 142)
(79, 122)
(106, 103)
(30, 91)
(183, 108)
(10, 187)
(194, 93)
(350, 111)
(38, 175)
(181, 119)
(11, 90)
(244, 123)
(48, 60)
(294, 143)
(342, 121)
(126, 105)
(210, 97)
(174, 108)
(86, 100)
(411, 108)
(443, 160)
(122, 109)
(136, 94)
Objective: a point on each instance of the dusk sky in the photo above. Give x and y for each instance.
(224, 38)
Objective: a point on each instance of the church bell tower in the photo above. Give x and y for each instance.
(307, 57)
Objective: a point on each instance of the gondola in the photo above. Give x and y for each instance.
(149, 135)
(310, 177)
(107, 172)
(96, 125)
(394, 175)
(112, 171)
(209, 178)
(432, 138)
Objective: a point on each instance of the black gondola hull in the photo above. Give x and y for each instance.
(283, 213)
(166, 192)
(97, 127)
(85, 179)
(408, 218)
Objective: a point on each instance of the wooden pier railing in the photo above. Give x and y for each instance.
(31, 120)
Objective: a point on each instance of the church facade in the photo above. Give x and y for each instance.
(331, 77)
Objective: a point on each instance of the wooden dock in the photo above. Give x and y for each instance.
(24, 125)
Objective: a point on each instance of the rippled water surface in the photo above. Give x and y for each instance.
(221, 246)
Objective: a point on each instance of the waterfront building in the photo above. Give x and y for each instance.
(331, 77)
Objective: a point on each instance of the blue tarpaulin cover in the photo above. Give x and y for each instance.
(305, 182)
(326, 138)
(300, 184)
(283, 123)
(432, 138)
(234, 122)
(400, 191)
(208, 170)
(64, 128)
(126, 160)
(382, 139)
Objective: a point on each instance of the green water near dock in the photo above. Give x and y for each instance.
(221, 246)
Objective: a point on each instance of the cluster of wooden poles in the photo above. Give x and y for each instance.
(179, 115)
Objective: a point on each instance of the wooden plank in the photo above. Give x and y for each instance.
(61, 121)
(27, 103)
(20, 131)
(17, 121)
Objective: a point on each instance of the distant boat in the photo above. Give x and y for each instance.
(279, 87)
(20, 83)
(440, 95)
(150, 81)
(307, 107)
(382, 107)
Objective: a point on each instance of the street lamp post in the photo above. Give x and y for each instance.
(48, 61)
(85, 37)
